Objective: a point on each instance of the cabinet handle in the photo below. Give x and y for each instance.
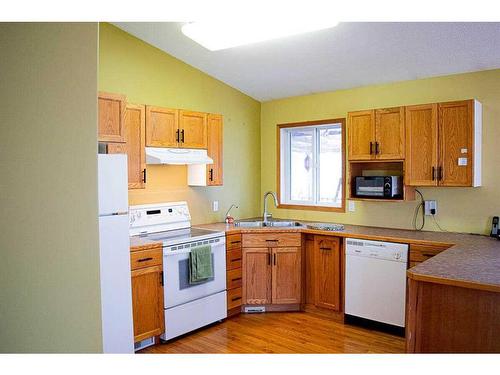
(371, 148)
(271, 240)
(268, 259)
(235, 260)
(428, 255)
(161, 278)
(325, 248)
(211, 174)
(144, 175)
(235, 299)
(236, 279)
(235, 242)
(377, 149)
(144, 259)
(274, 258)
(440, 173)
(433, 173)
(177, 136)
(182, 136)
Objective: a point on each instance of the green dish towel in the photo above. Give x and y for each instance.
(200, 264)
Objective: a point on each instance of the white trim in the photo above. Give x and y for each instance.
(478, 124)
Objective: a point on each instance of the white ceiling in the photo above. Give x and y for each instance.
(348, 55)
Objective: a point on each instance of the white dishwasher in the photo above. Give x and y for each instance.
(375, 280)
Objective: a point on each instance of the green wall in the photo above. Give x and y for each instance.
(459, 209)
(49, 273)
(148, 75)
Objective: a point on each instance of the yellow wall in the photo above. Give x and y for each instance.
(49, 269)
(147, 75)
(459, 209)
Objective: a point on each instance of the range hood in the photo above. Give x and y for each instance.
(161, 155)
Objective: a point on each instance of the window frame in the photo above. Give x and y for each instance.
(304, 124)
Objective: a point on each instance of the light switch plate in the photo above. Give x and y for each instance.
(215, 206)
(352, 206)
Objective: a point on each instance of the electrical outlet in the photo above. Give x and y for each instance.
(215, 206)
(352, 206)
(430, 208)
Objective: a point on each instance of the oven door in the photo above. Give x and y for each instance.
(177, 289)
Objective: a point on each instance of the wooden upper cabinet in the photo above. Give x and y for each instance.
(286, 275)
(147, 302)
(162, 127)
(135, 122)
(193, 129)
(390, 133)
(456, 143)
(256, 276)
(134, 146)
(111, 117)
(361, 135)
(327, 272)
(215, 141)
(421, 145)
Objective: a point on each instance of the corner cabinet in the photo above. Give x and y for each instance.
(272, 270)
(444, 144)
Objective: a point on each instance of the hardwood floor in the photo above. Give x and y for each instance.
(295, 332)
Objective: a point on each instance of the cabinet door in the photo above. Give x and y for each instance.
(193, 129)
(111, 117)
(162, 125)
(135, 123)
(455, 141)
(286, 275)
(256, 276)
(147, 302)
(327, 272)
(361, 135)
(421, 145)
(214, 171)
(390, 133)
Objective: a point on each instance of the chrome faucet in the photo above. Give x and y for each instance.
(266, 215)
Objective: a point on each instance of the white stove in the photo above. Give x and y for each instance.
(187, 306)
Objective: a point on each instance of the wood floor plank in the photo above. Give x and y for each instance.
(295, 332)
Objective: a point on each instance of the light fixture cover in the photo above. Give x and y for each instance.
(221, 35)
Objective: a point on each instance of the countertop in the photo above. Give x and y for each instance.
(472, 261)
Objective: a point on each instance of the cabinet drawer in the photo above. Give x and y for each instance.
(420, 253)
(146, 258)
(233, 259)
(233, 298)
(271, 240)
(233, 241)
(234, 279)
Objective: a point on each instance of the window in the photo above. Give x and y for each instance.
(311, 165)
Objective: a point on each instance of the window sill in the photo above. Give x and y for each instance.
(313, 208)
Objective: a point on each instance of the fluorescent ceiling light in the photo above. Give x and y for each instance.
(221, 35)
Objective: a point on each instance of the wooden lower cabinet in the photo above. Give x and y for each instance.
(147, 302)
(286, 275)
(234, 274)
(326, 276)
(421, 252)
(272, 275)
(257, 276)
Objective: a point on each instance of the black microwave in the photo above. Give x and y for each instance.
(386, 187)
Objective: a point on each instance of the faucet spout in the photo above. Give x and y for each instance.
(266, 215)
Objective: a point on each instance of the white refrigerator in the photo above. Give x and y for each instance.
(114, 244)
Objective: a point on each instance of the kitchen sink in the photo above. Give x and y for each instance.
(270, 223)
